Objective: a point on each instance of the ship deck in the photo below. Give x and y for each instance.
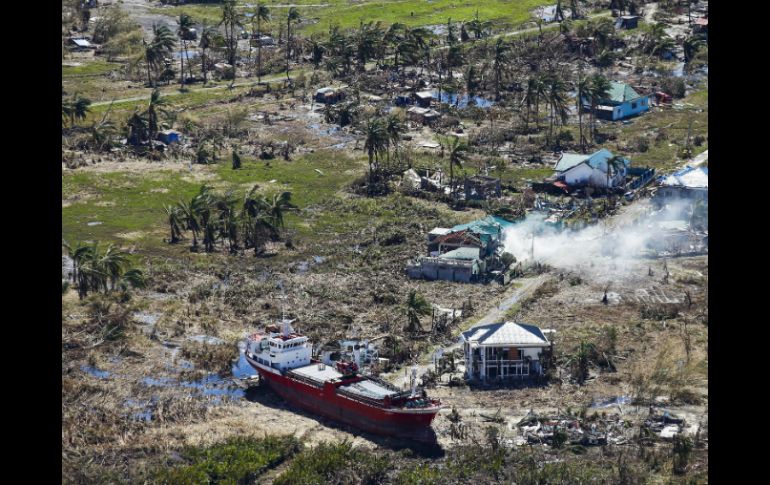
(367, 388)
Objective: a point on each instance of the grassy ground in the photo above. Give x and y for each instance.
(503, 13)
(89, 68)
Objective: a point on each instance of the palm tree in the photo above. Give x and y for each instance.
(615, 165)
(375, 143)
(556, 98)
(583, 86)
(499, 60)
(258, 220)
(292, 17)
(276, 207)
(530, 96)
(190, 219)
(458, 153)
(261, 14)
(156, 106)
(76, 108)
(657, 41)
(416, 305)
(102, 133)
(599, 88)
(162, 46)
(208, 36)
(185, 24)
(394, 128)
(230, 19)
(176, 220)
(691, 46)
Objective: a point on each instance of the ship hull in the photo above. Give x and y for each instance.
(383, 421)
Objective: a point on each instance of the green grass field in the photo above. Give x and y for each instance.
(347, 13)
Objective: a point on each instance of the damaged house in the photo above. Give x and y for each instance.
(482, 187)
(506, 350)
(329, 95)
(622, 102)
(689, 183)
(466, 252)
(599, 169)
(425, 116)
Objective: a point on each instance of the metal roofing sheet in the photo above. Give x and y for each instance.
(507, 333)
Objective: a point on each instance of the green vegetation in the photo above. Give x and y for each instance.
(237, 460)
(95, 67)
(503, 13)
(335, 463)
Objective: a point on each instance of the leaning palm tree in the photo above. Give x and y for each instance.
(291, 17)
(261, 14)
(190, 219)
(176, 222)
(185, 24)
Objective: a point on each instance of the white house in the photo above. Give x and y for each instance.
(580, 169)
(504, 350)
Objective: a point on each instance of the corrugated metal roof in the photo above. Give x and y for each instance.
(507, 333)
(597, 160)
(81, 42)
(621, 92)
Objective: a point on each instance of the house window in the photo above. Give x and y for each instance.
(633, 105)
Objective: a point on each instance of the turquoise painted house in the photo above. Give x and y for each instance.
(622, 102)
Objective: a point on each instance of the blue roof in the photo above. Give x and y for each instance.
(597, 160)
(490, 225)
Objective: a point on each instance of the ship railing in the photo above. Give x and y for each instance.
(306, 380)
(360, 397)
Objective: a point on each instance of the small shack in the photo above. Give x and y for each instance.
(622, 102)
(329, 95)
(424, 98)
(627, 22)
(503, 351)
(262, 40)
(423, 115)
(169, 136)
(482, 187)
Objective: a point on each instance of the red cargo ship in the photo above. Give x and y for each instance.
(283, 360)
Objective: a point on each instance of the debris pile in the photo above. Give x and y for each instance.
(664, 424)
(557, 430)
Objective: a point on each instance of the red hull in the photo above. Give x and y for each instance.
(328, 403)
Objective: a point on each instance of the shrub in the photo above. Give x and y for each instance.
(335, 463)
(642, 144)
(237, 460)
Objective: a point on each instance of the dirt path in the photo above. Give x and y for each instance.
(140, 12)
(401, 377)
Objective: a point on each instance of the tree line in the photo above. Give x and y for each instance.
(214, 218)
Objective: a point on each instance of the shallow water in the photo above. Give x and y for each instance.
(464, 100)
(100, 374)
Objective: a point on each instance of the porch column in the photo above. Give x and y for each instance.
(483, 373)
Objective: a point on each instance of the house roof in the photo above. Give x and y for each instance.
(81, 42)
(506, 333)
(621, 92)
(490, 225)
(462, 253)
(692, 177)
(702, 21)
(597, 160)
(325, 90)
(424, 95)
(460, 237)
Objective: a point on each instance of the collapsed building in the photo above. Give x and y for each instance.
(465, 253)
(506, 350)
(482, 187)
(689, 183)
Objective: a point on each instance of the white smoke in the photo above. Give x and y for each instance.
(611, 248)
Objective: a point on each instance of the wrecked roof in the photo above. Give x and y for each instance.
(693, 177)
(597, 160)
(459, 237)
(506, 333)
(621, 92)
